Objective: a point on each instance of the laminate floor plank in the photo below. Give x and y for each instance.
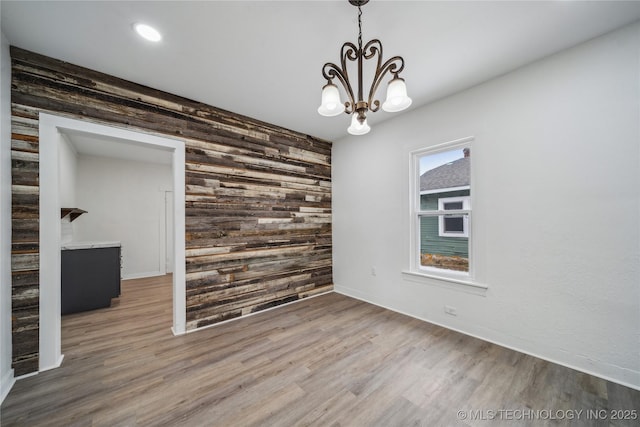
(325, 361)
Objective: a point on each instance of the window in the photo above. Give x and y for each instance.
(453, 225)
(441, 209)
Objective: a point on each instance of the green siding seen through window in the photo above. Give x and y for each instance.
(430, 239)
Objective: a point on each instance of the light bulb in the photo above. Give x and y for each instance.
(147, 32)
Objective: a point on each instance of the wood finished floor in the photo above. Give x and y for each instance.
(326, 361)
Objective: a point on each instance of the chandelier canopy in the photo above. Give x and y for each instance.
(397, 99)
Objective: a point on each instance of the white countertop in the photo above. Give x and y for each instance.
(88, 245)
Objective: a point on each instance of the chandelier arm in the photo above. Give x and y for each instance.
(331, 71)
(394, 66)
(372, 48)
(348, 52)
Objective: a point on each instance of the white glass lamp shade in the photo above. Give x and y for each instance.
(397, 99)
(331, 104)
(356, 128)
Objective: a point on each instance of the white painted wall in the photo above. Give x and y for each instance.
(6, 373)
(67, 173)
(556, 209)
(125, 201)
(67, 177)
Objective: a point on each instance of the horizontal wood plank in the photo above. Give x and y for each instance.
(258, 197)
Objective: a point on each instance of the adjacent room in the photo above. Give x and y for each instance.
(250, 213)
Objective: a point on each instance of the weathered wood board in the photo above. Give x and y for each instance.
(258, 197)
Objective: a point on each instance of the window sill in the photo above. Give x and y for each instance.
(444, 281)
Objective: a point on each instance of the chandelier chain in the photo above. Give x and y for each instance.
(359, 27)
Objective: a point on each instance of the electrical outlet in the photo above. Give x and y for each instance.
(373, 271)
(450, 310)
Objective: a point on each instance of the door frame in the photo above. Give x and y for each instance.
(167, 256)
(50, 129)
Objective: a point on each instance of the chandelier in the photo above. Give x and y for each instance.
(397, 99)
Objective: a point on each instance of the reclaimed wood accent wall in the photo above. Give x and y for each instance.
(258, 197)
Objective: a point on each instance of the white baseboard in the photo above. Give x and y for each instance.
(354, 293)
(54, 366)
(31, 374)
(173, 331)
(142, 275)
(256, 312)
(6, 384)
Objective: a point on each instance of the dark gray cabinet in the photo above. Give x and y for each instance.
(90, 278)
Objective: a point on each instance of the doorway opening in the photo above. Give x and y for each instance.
(52, 133)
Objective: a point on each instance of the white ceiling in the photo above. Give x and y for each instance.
(263, 59)
(90, 144)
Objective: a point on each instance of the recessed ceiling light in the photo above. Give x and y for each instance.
(148, 32)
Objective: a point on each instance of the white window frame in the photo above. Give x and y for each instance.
(465, 218)
(417, 272)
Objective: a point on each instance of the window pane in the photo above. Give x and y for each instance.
(452, 205)
(453, 224)
(445, 171)
(450, 253)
